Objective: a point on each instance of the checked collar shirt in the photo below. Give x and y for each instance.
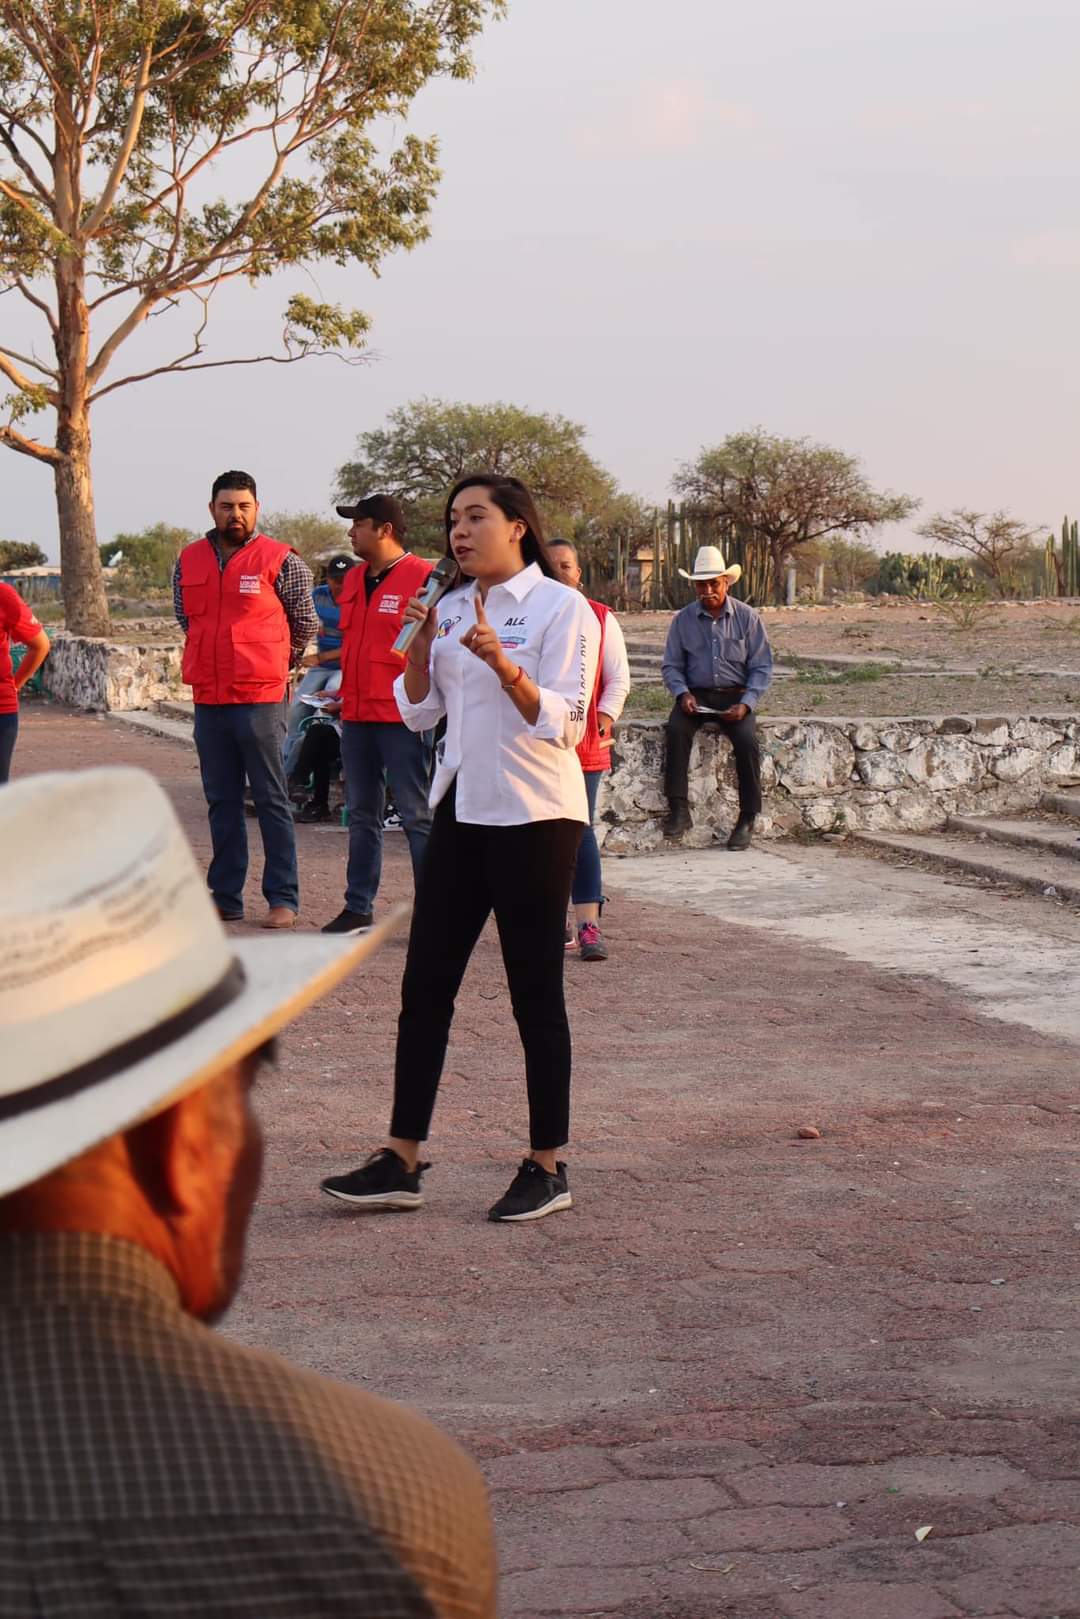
(150, 1466)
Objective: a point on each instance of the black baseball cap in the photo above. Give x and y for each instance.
(381, 509)
(338, 567)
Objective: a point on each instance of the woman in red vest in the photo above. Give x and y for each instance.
(609, 694)
(17, 623)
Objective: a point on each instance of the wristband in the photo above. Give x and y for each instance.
(510, 684)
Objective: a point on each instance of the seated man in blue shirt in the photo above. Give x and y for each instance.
(717, 666)
(324, 663)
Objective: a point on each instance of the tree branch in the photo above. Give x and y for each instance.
(29, 446)
(11, 371)
(28, 359)
(127, 146)
(38, 303)
(213, 365)
(25, 167)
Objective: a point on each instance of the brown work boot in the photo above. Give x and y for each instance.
(279, 916)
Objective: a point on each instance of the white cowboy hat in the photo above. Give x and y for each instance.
(119, 988)
(709, 564)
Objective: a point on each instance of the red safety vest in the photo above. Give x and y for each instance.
(369, 629)
(238, 639)
(591, 754)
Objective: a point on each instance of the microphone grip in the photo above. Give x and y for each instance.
(439, 581)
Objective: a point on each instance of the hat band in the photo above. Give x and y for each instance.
(130, 1052)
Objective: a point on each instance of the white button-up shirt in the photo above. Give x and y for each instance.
(509, 772)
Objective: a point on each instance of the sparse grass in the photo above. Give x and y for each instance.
(966, 614)
(857, 674)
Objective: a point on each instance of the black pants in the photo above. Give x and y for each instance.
(523, 874)
(681, 730)
(320, 758)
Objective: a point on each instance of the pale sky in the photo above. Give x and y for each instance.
(854, 221)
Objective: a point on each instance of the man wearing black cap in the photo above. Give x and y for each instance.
(325, 662)
(376, 746)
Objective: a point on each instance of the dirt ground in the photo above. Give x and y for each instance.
(748, 1376)
(1042, 633)
(835, 695)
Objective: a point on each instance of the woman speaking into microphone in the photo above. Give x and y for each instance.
(508, 658)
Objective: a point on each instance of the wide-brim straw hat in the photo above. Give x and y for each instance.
(709, 564)
(120, 991)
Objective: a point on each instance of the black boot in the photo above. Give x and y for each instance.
(678, 818)
(741, 833)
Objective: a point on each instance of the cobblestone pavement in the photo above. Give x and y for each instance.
(747, 1372)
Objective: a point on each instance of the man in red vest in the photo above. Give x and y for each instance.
(610, 692)
(244, 602)
(376, 746)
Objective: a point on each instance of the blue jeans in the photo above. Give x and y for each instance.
(235, 740)
(373, 751)
(9, 730)
(315, 680)
(588, 886)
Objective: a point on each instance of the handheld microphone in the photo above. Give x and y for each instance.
(440, 580)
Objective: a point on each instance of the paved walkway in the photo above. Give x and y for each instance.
(747, 1371)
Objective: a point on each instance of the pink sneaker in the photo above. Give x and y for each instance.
(591, 946)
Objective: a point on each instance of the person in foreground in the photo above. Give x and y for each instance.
(148, 1465)
(717, 666)
(509, 659)
(243, 601)
(610, 692)
(17, 623)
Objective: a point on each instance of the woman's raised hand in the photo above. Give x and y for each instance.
(483, 642)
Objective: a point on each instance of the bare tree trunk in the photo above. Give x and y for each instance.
(86, 609)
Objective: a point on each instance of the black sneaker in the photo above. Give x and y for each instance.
(348, 921)
(383, 1182)
(532, 1193)
(312, 811)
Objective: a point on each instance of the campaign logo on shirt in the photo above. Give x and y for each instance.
(512, 635)
(446, 626)
(390, 604)
(250, 584)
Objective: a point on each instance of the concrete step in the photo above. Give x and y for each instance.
(1062, 804)
(996, 862)
(143, 719)
(1046, 837)
(177, 708)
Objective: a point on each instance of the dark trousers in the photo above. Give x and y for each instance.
(9, 730)
(318, 757)
(374, 752)
(235, 740)
(681, 730)
(523, 874)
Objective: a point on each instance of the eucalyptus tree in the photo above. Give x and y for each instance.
(152, 151)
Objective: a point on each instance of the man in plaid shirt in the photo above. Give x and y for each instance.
(244, 603)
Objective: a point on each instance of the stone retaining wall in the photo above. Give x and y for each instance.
(99, 674)
(825, 775)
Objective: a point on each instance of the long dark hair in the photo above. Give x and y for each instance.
(513, 499)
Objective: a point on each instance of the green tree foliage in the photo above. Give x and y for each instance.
(778, 495)
(21, 554)
(428, 444)
(999, 543)
(151, 151)
(145, 561)
(309, 533)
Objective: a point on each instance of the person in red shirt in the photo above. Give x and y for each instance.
(377, 747)
(17, 623)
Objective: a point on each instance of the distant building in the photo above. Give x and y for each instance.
(34, 584)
